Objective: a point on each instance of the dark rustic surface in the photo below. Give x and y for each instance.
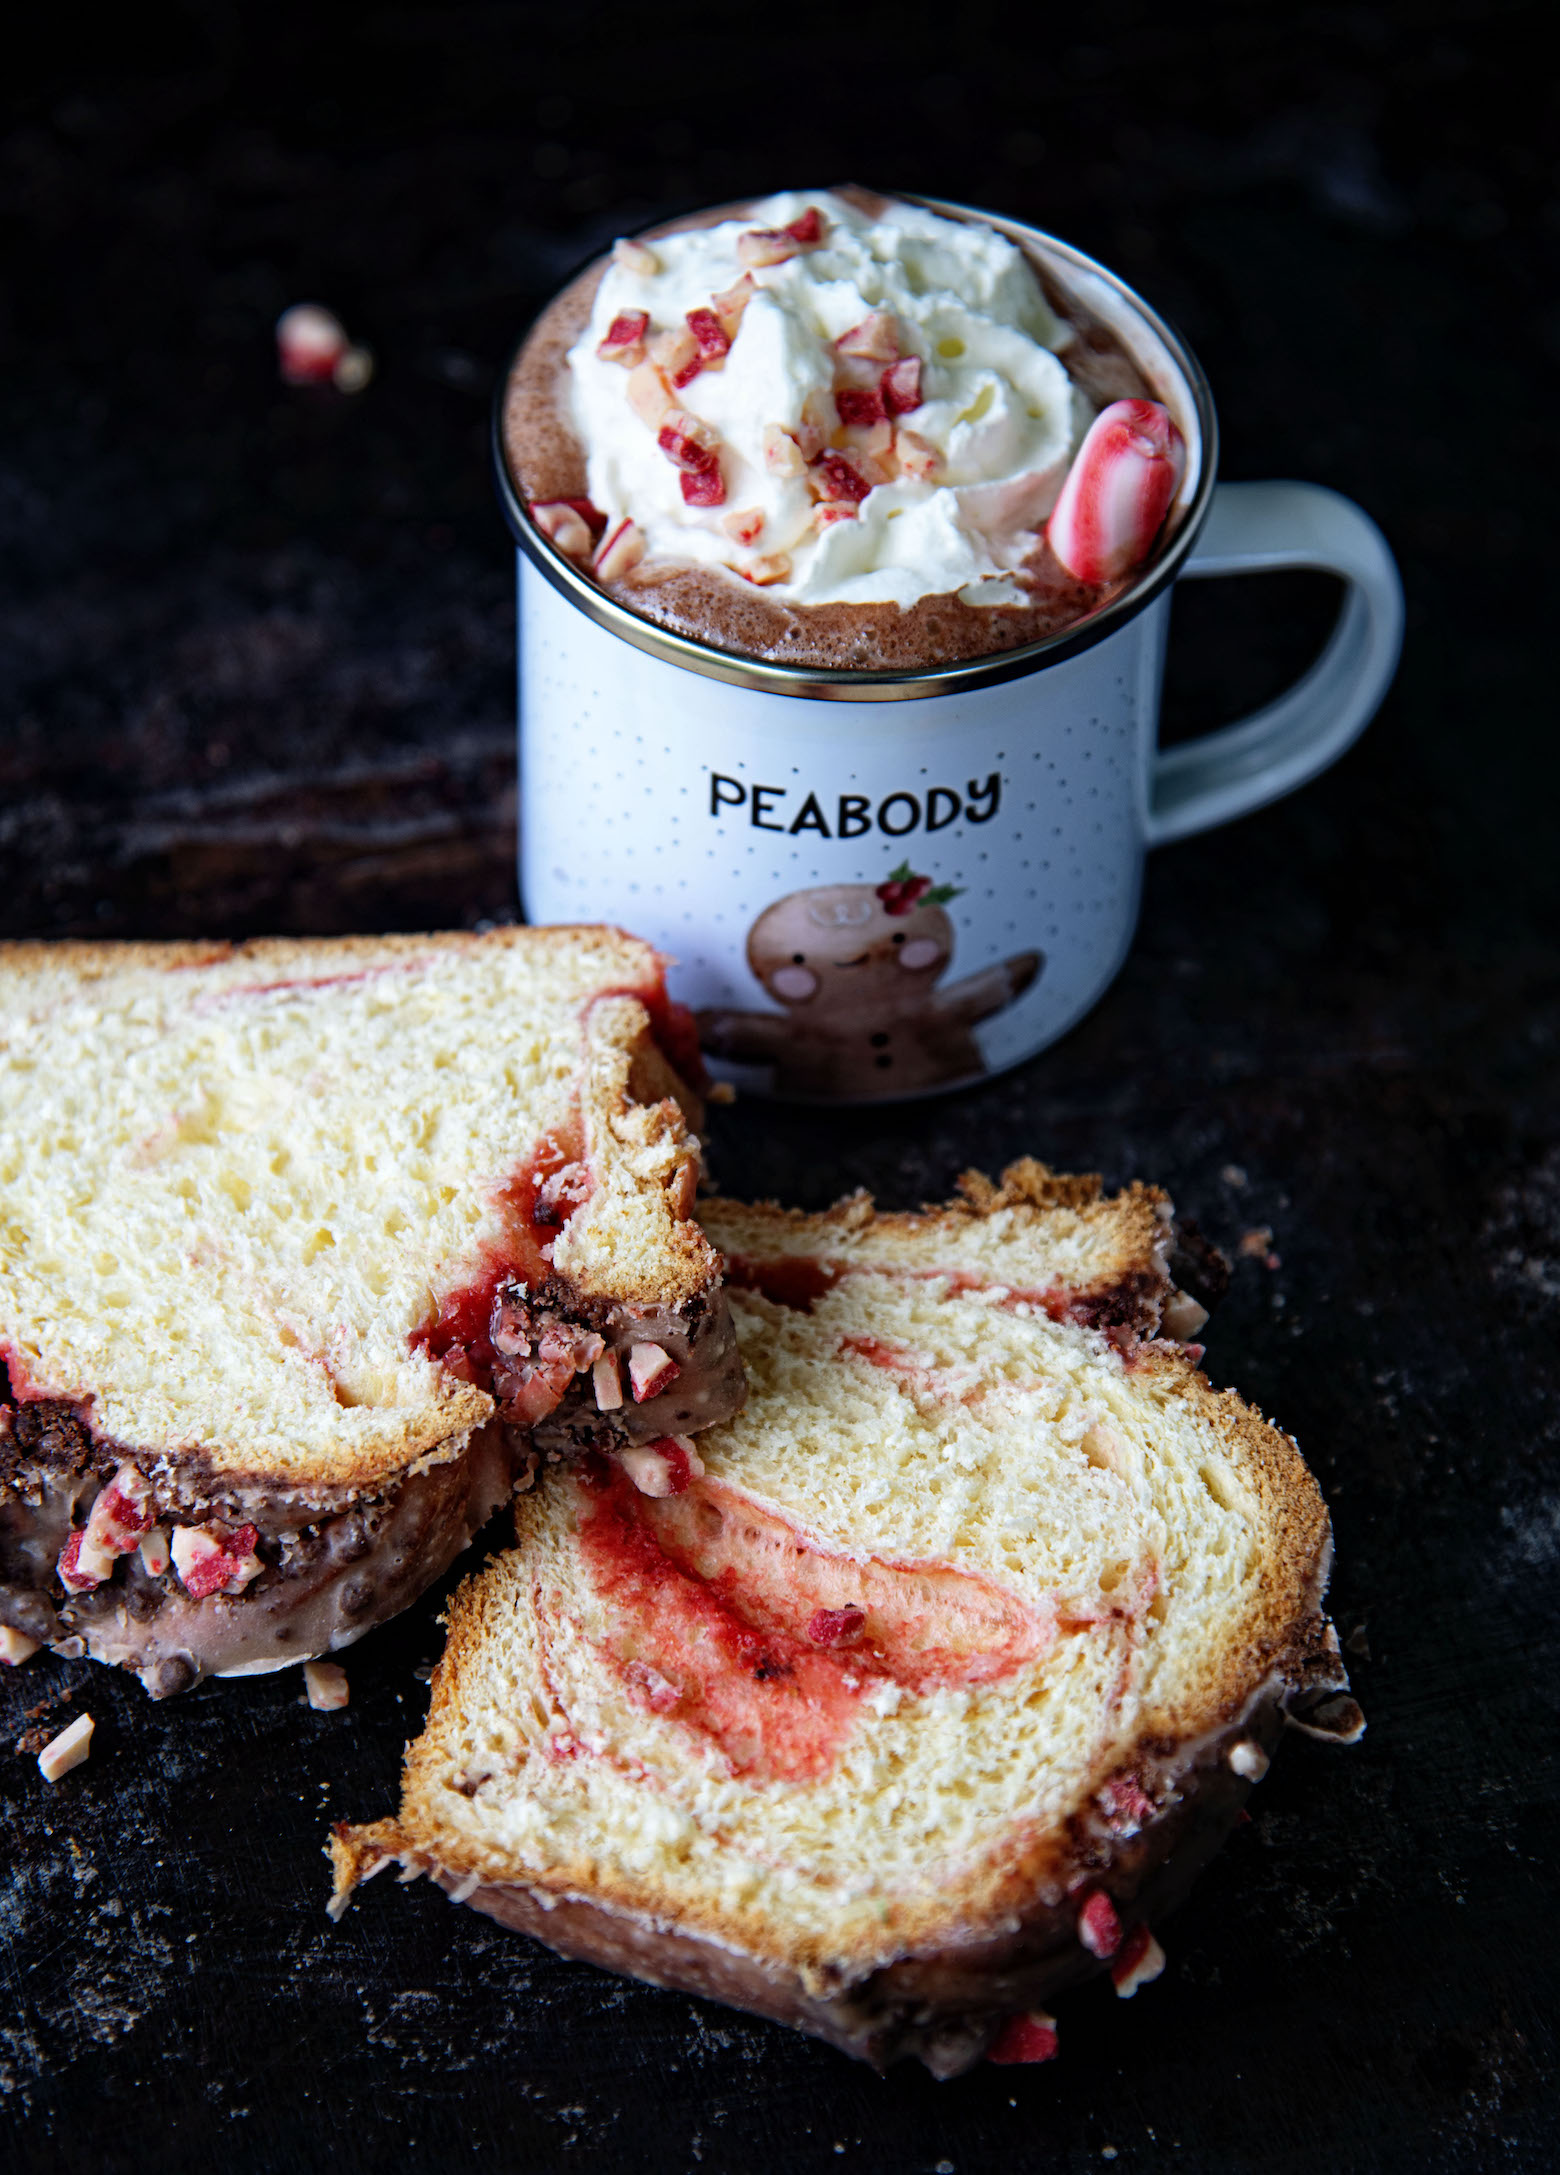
(256, 664)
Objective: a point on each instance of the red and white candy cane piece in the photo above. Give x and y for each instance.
(619, 552)
(637, 258)
(706, 489)
(860, 405)
(838, 478)
(1118, 491)
(649, 395)
(1140, 1959)
(730, 303)
(1099, 1929)
(876, 338)
(119, 1516)
(901, 384)
(744, 526)
(607, 1383)
(773, 245)
(624, 341)
(562, 523)
(710, 337)
(310, 342)
(676, 355)
(661, 1468)
(1027, 2038)
(782, 455)
(917, 456)
(650, 1371)
(213, 1559)
(122, 1512)
(689, 442)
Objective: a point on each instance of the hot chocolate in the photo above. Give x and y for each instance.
(838, 431)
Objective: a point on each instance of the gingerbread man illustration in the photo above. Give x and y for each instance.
(855, 967)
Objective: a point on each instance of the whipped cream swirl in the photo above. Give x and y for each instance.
(943, 493)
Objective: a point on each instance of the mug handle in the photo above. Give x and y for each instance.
(1256, 528)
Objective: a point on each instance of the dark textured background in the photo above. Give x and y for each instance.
(256, 670)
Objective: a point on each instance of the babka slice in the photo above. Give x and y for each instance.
(918, 1690)
(306, 1248)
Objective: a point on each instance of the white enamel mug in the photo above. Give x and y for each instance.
(880, 885)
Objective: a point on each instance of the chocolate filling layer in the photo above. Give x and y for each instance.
(335, 1561)
(1142, 1839)
(700, 1339)
(332, 1567)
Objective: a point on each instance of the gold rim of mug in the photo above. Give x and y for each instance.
(840, 684)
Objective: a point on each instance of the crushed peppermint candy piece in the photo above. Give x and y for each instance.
(860, 405)
(312, 348)
(710, 337)
(211, 1559)
(650, 1371)
(730, 303)
(744, 526)
(1140, 1959)
(67, 1750)
(1030, 2037)
(875, 339)
(661, 1468)
(1125, 1804)
(689, 442)
(916, 455)
(835, 1627)
(636, 257)
(1099, 1929)
(705, 489)
(326, 1684)
(676, 355)
(624, 340)
(901, 386)
(840, 479)
(562, 523)
(775, 245)
(619, 552)
(607, 1383)
(649, 395)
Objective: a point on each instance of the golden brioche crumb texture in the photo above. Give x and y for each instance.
(236, 1182)
(1062, 1559)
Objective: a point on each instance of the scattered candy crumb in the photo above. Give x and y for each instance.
(1141, 1959)
(1257, 1245)
(327, 1685)
(1030, 2037)
(312, 348)
(67, 1750)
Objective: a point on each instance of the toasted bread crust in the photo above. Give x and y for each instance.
(619, 1057)
(1000, 1933)
(629, 1262)
(942, 2003)
(1276, 1645)
(1119, 1244)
